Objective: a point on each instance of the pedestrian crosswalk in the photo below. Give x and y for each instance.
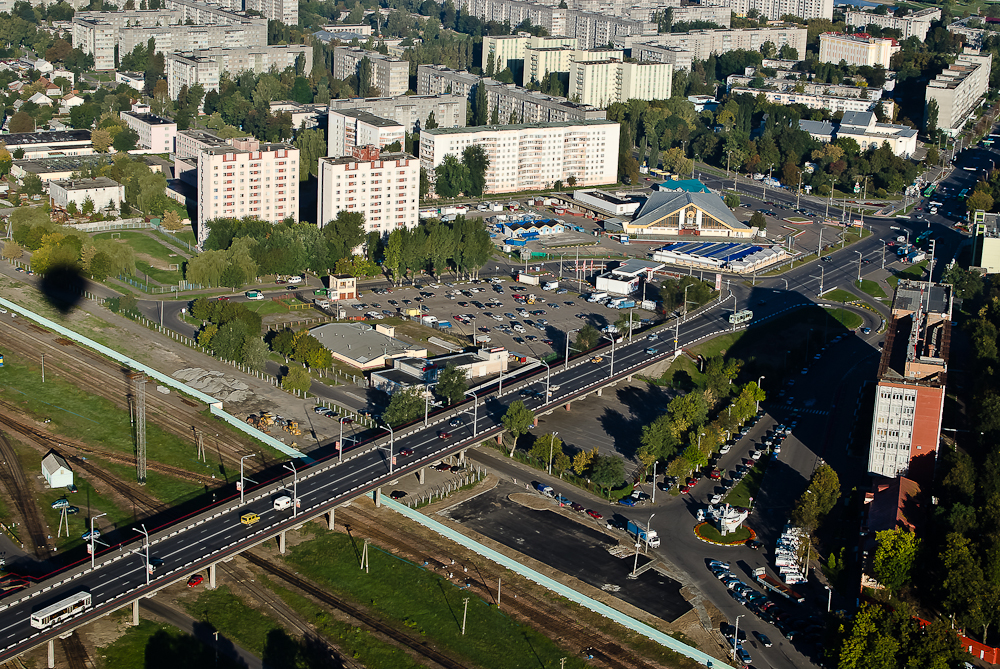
(815, 412)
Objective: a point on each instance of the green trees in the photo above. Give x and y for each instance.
(452, 384)
(608, 471)
(818, 499)
(343, 234)
(894, 557)
(480, 111)
(549, 448)
(672, 293)
(517, 421)
(451, 177)
(311, 144)
(476, 161)
(587, 338)
(404, 406)
(296, 380)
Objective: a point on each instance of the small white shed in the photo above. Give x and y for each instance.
(56, 471)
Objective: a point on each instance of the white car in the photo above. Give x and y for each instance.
(725, 449)
(295, 280)
(716, 498)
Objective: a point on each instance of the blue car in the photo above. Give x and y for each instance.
(626, 501)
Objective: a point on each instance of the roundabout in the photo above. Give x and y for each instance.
(708, 533)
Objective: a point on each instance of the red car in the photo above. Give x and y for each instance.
(280, 281)
(691, 481)
(715, 474)
(223, 298)
(406, 452)
(685, 489)
(594, 514)
(197, 579)
(444, 435)
(576, 506)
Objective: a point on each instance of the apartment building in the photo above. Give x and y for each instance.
(506, 48)
(539, 62)
(602, 82)
(286, 11)
(860, 49)
(651, 53)
(411, 111)
(205, 66)
(247, 178)
(720, 16)
(914, 24)
(959, 89)
(390, 75)
(49, 144)
(972, 35)
(833, 103)
(350, 128)
(190, 143)
(704, 43)
(384, 187)
(773, 10)
(103, 192)
(912, 378)
(155, 133)
(532, 156)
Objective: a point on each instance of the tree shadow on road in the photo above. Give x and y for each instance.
(644, 403)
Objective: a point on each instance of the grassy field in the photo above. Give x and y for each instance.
(913, 272)
(839, 295)
(872, 288)
(712, 534)
(358, 643)
(165, 276)
(143, 243)
(266, 307)
(429, 607)
(848, 319)
(748, 487)
(157, 646)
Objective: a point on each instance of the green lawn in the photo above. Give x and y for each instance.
(913, 272)
(143, 243)
(164, 276)
(426, 605)
(848, 319)
(709, 532)
(156, 646)
(266, 307)
(872, 288)
(748, 487)
(839, 295)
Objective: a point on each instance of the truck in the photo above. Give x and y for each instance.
(625, 304)
(441, 325)
(637, 530)
(776, 586)
(515, 242)
(528, 279)
(596, 297)
(482, 338)
(496, 207)
(545, 489)
(551, 285)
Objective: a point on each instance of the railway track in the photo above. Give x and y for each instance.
(13, 479)
(76, 654)
(330, 600)
(536, 612)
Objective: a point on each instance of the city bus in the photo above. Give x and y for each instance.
(963, 194)
(922, 237)
(929, 191)
(61, 610)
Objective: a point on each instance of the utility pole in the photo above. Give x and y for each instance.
(819, 249)
(465, 614)
(139, 399)
(43, 368)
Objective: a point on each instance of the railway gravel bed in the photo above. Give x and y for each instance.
(16, 484)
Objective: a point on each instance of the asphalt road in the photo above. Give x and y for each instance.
(202, 632)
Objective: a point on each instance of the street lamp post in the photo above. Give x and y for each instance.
(653, 500)
(392, 442)
(612, 340)
(93, 548)
(427, 405)
(552, 444)
(566, 357)
(295, 488)
(686, 302)
(860, 256)
(340, 444)
(736, 634)
(548, 379)
(148, 565)
(829, 597)
(798, 193)
(758, 386)
(635, 567)
(243, 484)
(475, 410)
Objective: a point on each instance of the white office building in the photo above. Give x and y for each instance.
(247, 178)
(959, 89)
(532, 156)
(384, 187)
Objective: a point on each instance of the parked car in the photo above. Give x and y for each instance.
(626, 501)
(593, 514)
(196, 579)
(398, 494)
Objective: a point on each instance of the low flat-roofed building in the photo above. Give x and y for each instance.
(420, 372)
(612, 204)
(49, 144)
(105, 193)
(986, 242)
(56, 471)
(343, 287)
(532, 228)
(60, 167)
(864, 128)
(136, 80)
(628, 277)
(363, 346)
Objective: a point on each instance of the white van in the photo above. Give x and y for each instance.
(294, 280)
(283, 502)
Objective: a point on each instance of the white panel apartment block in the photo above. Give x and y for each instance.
(384, 187)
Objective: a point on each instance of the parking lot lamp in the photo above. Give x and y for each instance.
(653, 500)
(829, 597)
(758, 386)
(736, 634)
(635, 566)
(475, 411)
(699, 440)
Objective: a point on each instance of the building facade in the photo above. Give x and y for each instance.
(773, 10)
(383, 187)
(860, 49)
(247, 178)
(205, 66)
(411, 111)
(601, 83)
(155, 133)
(507, 48)
(102, 191)
(959, 90)
(912, 377)
(532, 156)
(349, 128)
(651, 53)
(915, 24)
(864, 128)
(705, 43)
(390, 75)
(677, 213)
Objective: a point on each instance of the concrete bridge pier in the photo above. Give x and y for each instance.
(535, 423)
(329, 517)
(600, 391)
(135, 613)
(421, 474)
(628, 379)
(52, 653)
(281, 542)
(211, 576)
(378, 498)
(567, 405)
(461, 453)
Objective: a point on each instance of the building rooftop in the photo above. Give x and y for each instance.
(635, 266)
(260, 146)
(23, 138)
(87, 184)
(151, 119)
(203, 137)
(688, 185)
(344, 160)
(368, 117)
(660, 203)
(517, 126)
(918, 337)
(361, 343)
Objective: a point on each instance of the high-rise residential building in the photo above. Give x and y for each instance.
(411, 111)
(349, 128)
(603, 82)
(532, 156)
(912, 377)
(773, 10)
(247, 178)
(705, 43)
(384, 187)
(958, 90)
(205, 66)
(155, 133)
(286, 11)
(390, 76)
(651, 53)
(539, 63)
(915, 24)
(860, 49)
(507, 48)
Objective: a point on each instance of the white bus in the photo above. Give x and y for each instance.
(61, 610)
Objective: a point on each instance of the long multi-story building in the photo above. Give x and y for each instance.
(205, 66)
(507, 48)
(411, 111)
(155, 133)
(773, 10)
(720, 16)
(513, 101)
(704, 43)
(912, 377)
(860, 49)
(915, 24)
(532, 156)
(183, 25)
(959, 89)
(390, 75)
(786, 88)
(651, 53)
(247, 178)
(603, 82)
(383, 187)
(349, 128)
(540, 62)
(286, 11)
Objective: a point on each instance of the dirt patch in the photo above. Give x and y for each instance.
(156, 263)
